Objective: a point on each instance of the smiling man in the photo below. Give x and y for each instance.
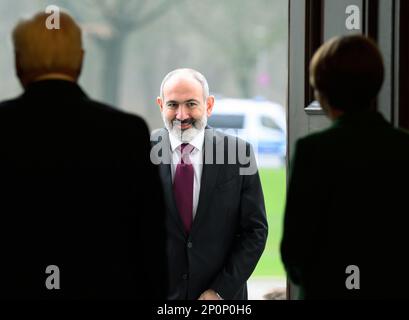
(187, 105)
(216, 222)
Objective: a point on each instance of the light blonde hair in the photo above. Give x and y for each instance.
(40, 50)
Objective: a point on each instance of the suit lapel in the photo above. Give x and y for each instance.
(208, 180)
(166, 177)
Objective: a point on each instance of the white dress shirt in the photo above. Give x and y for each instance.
(196, 158)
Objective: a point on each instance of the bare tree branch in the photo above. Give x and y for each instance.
(138, 6)
(155, 13)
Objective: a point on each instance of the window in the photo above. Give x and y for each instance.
(137, 42)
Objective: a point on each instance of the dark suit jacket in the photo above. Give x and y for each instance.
(77, 190)
(228, 233)
(347, 204)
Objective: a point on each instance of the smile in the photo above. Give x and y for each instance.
(183, 125)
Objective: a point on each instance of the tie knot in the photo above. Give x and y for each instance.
(183, 146)
(185, 150)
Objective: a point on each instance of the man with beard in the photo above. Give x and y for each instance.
(216, 221)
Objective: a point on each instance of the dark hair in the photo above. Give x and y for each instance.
(348, 71)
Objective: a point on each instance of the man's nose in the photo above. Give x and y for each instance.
(182, 113)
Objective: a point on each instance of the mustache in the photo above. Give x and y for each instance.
(186, 121)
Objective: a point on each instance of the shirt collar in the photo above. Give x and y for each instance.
(197, 141)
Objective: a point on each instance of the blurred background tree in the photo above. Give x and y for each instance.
(116, 20)
(130, 45)
(239, 45)
(242, 31)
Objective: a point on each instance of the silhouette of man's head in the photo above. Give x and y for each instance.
(42, 53)
(347, 73)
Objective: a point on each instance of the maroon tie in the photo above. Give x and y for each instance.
(183, 187)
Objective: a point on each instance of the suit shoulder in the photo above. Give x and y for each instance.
(9, 104)
(402, 133)
(400, 139)
(229, 137)
(319, 135)
(10, 111)
(323, 136)
(108, 113)
(158, 133)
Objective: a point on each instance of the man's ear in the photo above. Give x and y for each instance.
(330, 111)
(19, 71)
(80, 65)
(159, 102)
(209, 105)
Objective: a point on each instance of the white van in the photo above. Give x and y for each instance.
(260, 122)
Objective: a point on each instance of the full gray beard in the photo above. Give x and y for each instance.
(186, 136)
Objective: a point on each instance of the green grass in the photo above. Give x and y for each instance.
(274, 188)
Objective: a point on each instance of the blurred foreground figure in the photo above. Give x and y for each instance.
(216, 221)
(79, 196)
(346, 219)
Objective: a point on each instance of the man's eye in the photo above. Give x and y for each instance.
(172, 105)
(191, 104)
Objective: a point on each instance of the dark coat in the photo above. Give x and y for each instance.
(77, 190)
(347, 205)
(229, 231)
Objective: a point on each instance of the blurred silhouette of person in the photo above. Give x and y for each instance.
(82, 215)
(346, 217)
(216, 221)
